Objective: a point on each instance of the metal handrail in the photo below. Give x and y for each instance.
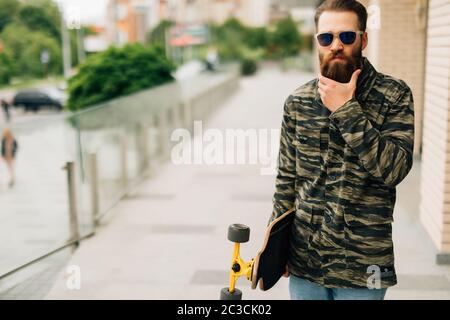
(128, 186)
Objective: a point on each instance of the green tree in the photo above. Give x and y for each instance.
(27, 28)
(117, 72)
(256, 37)
(8, 10)
(285, 40)
(234, 24)
(229, 38)
(42, 16)
(26, 47)
(40, 42)
(5, 68)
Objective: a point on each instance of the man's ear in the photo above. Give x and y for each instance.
(365, 40)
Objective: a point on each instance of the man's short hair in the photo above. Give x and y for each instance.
(343, 5)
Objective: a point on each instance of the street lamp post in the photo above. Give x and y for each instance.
(67, 64)
(80, 46)
(70, 21)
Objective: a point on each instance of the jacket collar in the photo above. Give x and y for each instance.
(365, 81)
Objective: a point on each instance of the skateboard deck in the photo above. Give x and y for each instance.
(270, 262)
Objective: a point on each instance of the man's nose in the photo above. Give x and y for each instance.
(336, 45)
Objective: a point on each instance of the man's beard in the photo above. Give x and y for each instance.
(340, 70)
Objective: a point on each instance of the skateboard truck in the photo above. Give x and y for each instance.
(237, 233)
(269, 264)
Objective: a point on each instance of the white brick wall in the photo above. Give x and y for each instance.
(400, 51)
(435, 180)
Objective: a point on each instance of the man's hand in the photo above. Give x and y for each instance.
(286, 273)
(335, 94)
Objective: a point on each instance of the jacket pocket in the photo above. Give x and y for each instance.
(301, 233)
(368, 245)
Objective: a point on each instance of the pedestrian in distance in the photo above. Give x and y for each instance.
(9, 148)
(5, 106)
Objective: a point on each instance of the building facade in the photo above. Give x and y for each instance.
(435, 186)
(130, 20)
(410, 39)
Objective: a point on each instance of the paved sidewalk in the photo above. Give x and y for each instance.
(167, 240)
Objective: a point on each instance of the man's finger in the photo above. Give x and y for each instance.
(355, 76)
(320, 80)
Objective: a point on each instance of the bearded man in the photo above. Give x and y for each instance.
(347, 141)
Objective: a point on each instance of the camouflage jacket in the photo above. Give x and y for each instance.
(340, 171)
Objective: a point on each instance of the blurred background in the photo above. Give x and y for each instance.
(91, 92)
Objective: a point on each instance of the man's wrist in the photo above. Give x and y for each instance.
(350, 110)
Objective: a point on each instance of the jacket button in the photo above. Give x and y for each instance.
(332, 177)
(327, 219)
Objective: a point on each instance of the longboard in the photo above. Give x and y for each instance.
(270, 262)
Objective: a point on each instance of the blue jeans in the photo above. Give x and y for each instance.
(301, 289)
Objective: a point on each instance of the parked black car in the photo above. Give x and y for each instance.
(34, 99)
